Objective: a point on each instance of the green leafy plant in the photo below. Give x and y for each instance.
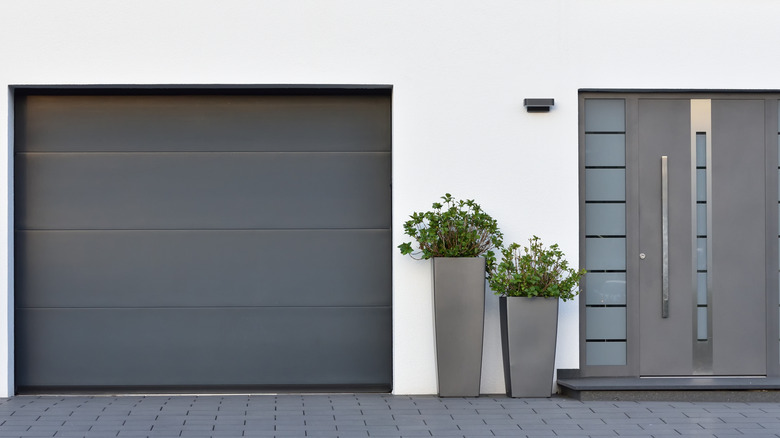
(454, 228)
(534, 271)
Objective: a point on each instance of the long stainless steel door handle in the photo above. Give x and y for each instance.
(665, 237)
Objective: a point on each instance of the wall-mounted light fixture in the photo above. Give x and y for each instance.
(538, 105)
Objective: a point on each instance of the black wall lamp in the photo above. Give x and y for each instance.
(538, 105)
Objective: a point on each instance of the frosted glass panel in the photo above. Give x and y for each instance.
(701, 324)
(605, 353)
(605, 115)
(605, 288)
(605, 219)
(608, 254)
(605, 184)
(701, 253)
(701, 219)
(701, 184)
(701, 150)
(605, 149)
(701, 288)
(605, 322)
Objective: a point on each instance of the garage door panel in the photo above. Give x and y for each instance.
(204, 123)
(203, 268)
(203, 190)
(246, 346)
(186, 241)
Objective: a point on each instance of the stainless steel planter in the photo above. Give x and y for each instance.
(528, 333)
(459, 309)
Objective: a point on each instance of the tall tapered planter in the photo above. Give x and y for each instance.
(529, 328)
(459, 309)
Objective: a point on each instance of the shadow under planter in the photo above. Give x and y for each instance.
(529, 327)
(459, 309)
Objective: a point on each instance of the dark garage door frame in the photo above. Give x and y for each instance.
(171, 322)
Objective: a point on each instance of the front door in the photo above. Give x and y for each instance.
(679, 234)
(701, 236)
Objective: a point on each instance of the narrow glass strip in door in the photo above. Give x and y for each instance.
(701, 290)
(701, 236)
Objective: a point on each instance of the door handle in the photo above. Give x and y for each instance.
(665, 237)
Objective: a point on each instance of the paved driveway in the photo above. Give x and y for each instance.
(376, 415)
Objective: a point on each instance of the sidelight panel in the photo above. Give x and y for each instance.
(605, 231)
(605, 185)
(605, 115)
(605, 254)
(606, 288)
(605, 219)
(607, 323)
(605, 150)
(606, 353)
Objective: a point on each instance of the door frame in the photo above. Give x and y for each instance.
(772, 258)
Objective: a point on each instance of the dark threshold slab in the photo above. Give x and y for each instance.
(723, 389)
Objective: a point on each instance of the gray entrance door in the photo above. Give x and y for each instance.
(702, 236)
(204, 240)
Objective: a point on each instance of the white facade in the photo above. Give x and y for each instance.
(459, 72)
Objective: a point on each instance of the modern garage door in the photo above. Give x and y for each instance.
(203, 240)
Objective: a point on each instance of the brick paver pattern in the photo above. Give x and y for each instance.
(376, 415)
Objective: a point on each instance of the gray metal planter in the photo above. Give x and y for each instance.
(459, 309)
(528, 334)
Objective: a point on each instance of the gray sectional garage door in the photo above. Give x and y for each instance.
(203, 240)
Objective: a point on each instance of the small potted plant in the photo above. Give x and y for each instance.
(460, 237)
(530, 281)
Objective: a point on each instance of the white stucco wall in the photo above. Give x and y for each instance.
(459, 71)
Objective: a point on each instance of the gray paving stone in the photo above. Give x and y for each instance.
(686, 420)
(536, 427)
(353, 434)
(405, 412)
(507, 432)
(407, 420)
(259, 433)
(423, 426)
(368, 415)
(743, 436)
(525, 417)
(416, 433)
(752, 432)
(379, 422)
(727, 425)
(579, 421)
(200, 427)
(353, 427)
(597, 433)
